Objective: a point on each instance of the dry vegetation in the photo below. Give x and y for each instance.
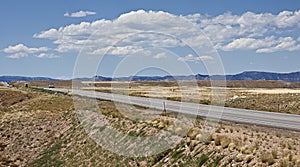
(230, 83)
(45, 84)
(274, 96)
(42, 129)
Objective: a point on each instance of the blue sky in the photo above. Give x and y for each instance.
(248, 35)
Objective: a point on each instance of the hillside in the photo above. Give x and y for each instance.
(42, 129)
(254, 75)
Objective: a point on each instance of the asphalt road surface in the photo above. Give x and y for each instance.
(271, 119)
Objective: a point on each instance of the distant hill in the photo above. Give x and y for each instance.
(254, 75)
(22, 78)
(248, 75)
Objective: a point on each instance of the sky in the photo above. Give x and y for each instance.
(63, 39)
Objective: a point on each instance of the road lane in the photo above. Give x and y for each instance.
(272, 119)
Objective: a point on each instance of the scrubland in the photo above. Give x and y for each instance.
(42, 128)
(274, 96)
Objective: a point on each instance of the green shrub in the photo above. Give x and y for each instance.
(202, 159)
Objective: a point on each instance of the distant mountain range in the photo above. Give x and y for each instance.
(254, 75)
(249, 75)
(22, 78)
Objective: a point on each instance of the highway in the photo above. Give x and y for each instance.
(253, 117)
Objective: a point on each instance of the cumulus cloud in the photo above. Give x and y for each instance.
(125, 50)
(17, 55)
(23, 48)
(282, 44)
(79, 14)
(160, 55)
(21, 51)
(266, 45)
(162, 29)
(49, 34)
(47, 55)
(287, 19)
(249, 43)
(260, 32)
(226, 27)
(188, 57)
(132, 32)
(206, 58)
(196, 59)
(251, 31)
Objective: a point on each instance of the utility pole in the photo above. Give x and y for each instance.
(165, 111)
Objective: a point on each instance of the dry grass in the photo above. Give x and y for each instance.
(230, 84)
(45, 84)
(28, 123)
(11, 97)
(274, 96)
(44, 130)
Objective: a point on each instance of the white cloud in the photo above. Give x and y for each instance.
(21, 51)
(23, 48)
(246, 28)
(47, 55)
(17, 55)
(250, 43)
(160, 55)
(125, 50)
(126, 31)
(240, 43)
(50, 34)
(260, 32)
(79, 14)
(195, 17)
(282, 44)
(287, 19)
(206, 58)
(188, 57)
(196, 59)
(135, 31)
(266, 45)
